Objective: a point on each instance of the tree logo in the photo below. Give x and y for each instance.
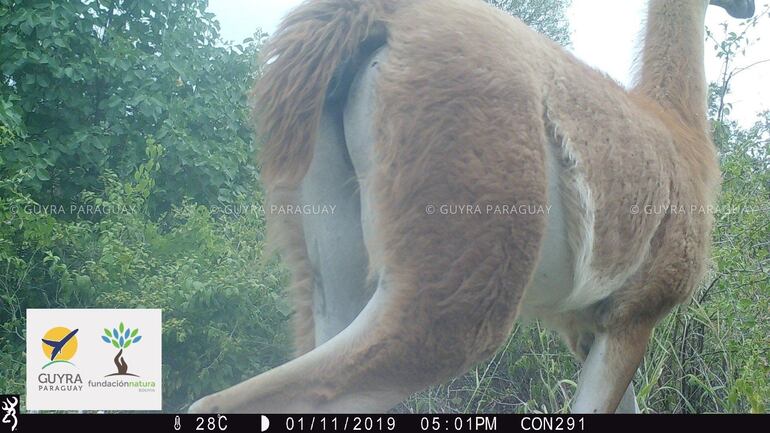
(59, 345)
(121, 337)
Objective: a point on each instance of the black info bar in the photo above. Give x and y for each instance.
(158, 423)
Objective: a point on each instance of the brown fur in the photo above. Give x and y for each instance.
(468, 101)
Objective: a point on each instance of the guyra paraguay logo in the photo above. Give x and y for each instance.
(121, 338)
(59, 345)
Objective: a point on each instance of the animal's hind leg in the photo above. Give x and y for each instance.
(332, 226)
(628, 402)
(605, 379)
(581, 344)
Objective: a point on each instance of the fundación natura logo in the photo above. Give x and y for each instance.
(74, 362)
(121, 337)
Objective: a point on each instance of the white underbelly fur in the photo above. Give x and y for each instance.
(565, 278)
(553, 279)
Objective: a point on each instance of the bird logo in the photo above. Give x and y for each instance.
(59, 345)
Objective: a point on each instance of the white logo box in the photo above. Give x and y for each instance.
(91, 379)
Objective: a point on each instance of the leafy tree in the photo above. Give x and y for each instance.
(88, 81)
(134, 105)
(546, 16)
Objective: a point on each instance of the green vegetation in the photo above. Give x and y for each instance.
(127, 180)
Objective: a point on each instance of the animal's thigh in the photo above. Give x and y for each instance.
(331, 218)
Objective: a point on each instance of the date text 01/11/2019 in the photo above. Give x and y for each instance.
(369, 423)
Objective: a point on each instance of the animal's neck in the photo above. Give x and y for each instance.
(672, 70)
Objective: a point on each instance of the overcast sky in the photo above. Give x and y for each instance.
(606, 44)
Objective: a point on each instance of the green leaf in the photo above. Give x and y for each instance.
(36, 148)
(115, 343)
(134, 332)
(121, 328)
(83, 281)
(107, 332)
(127, 343)
(42, 174)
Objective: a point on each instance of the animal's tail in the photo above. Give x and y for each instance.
(310, 51)
(307, 53)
